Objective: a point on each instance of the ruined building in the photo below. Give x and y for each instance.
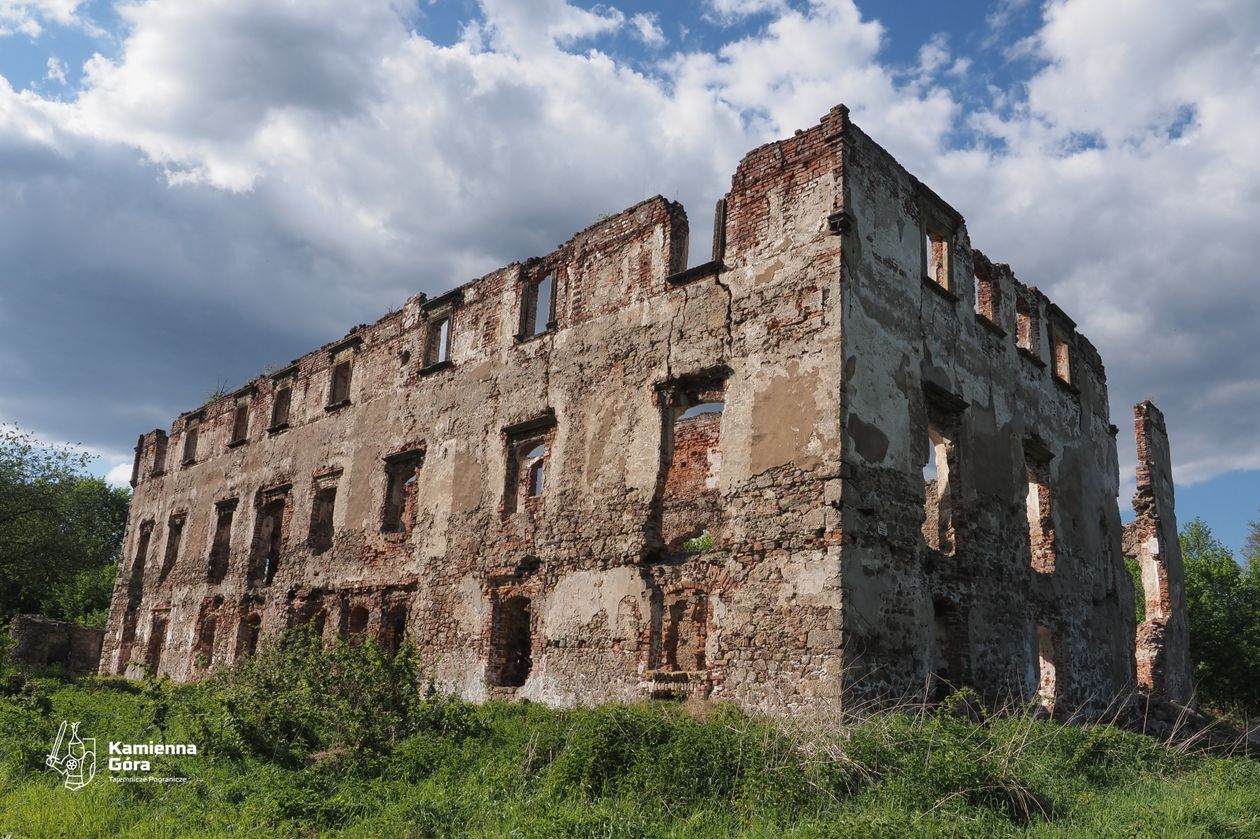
(847, 456)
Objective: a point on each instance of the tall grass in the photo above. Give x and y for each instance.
(305, 741)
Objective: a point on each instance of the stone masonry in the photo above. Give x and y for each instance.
(1163, 663)
(846, 457)
(39, 640)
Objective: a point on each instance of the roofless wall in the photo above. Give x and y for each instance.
(845, 455)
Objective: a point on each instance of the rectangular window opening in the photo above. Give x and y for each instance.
(142, 554)
(221, 547)
(192, 429)
(402, 473)
(511, 643)
(538, 307)
(240, 423)
(939, 489)
(159, 455)
(394, 629)
(936, 251)
(323, 505)
(1062, 358)
(527, 465)
(157, 644)
(988, 297)
(174, 535)
(687, 504)
(339, 384)
(526, 461)
(268, 538)
(684, 631)
(280, 404)
(1047, 671)
(438, 341)
(1038, 503)
(1027, 327)
(203, 651)
(247, 635)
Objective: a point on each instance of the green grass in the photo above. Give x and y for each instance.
(343, 742)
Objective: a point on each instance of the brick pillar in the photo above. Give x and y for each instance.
(1163, 654)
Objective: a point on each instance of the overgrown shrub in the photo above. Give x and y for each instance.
(663, 755)
(370, 753)
(298, 700)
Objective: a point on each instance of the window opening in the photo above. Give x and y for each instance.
(247, 637)
(936, 247)
(512, 647)
(157, 643)
(1062, 358)
(534, 462)
(142, 554)
(268, 537)
(339, 388)
(280, 406)
(1039, 506)
(938, 491)
(401, 484)
(394, 630)
(221, 547)
(240, 423)
(159, 455)
(174, 536)
(320, 537)
(203, 653)
(192, 429)
(439, 341)
(1047, 672)
(1027, 330)
(356, 626)
(539, 307)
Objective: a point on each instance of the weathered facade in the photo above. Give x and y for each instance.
(809, 468)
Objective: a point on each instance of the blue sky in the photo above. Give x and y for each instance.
(199, 189)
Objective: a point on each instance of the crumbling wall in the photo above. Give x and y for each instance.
(43, 641)
(982, 537)
(517, 494)
(597, 474)
(1163, 646)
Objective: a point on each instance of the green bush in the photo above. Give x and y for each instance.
(303, 740)
(298, 701)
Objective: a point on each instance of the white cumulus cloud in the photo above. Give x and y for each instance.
(29, 17)
(119, 475)
(56, 70)
(648, 30)
(247, 178)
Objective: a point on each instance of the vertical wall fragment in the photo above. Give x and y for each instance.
(1163, 660)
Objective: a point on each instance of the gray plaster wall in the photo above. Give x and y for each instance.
(909, 345)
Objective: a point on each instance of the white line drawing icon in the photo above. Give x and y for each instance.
(78, 764)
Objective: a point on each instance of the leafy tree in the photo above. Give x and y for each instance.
(60, 531)
(1223, 608)
(1251, 547)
